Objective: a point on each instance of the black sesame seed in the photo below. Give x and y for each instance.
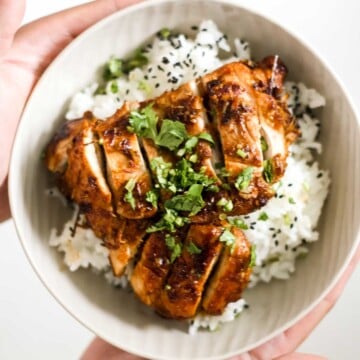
(303, 241)
(165, 60)
(160, 68)
(281, 196)
(286, 247)
(169, 73)
(146, 77)
(247, 217)
(195, 74)
(294, 249)
(252, 228)
(127, 91)
(193, 67)
(279, 231)
(204, 29)
(272, 229)
(320, 174)
(225, 37)
(171, 53)
(246, 306)
(190, 61)
(157, 85)
(154, 77)
(290, 185)
(210, 46)
(246, 47)
(203, 53)
(274, 236)
(149, 46)
(186, 64)
(253, 223)
(195, 28)
(150, 69)
(276, 242)
(291, 226)
(178, 64)
(295, 218)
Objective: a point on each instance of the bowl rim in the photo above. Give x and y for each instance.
(12, 172)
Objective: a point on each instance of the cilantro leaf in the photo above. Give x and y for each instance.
(268, 172)
(243, 180)
(263, 216)
(137, 61)
(226, 204)
(172, 134)
(264, 144)
(193, 249)
(113, 69)
(143, 122)
(173, 246)
(162, 170)
(191, 201)
(241, 153)
(239, 223)
(129, 197)
(169, 222)
(252, 256)
(152, 198)
(207, 137)
(228, 238)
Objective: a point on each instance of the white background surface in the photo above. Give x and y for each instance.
(34, 326)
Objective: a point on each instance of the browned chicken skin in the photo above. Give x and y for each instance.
(242, 106)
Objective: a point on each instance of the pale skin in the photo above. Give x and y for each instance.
(25, 52)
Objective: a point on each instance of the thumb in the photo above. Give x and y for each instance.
(11, 14)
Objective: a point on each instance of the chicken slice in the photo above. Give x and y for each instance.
(231, 276)
(229, 96)
(278, 126)
(149, 275)
(124, 163)
(129, 242)
(83, 180)
(182, 293)
(56, 155)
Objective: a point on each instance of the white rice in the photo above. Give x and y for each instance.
(292, 215)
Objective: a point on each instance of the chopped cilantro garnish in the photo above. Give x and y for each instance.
(207, 137)
(113, 69)
(193, 249)
(191, 201)
(114, 87)
(145, 87)
(222, 172)
(137, 61)
(252, 256)
(239, 223)
(143, 122)
(228, 238)
(169, 222)
(243, 180)
(191, 143)
(263, 216)
(264, 144)
(161, 170)
(172, 134)
(291, 200)
(194, 158)
(287, 219)
(164, 33)
(241, 153)
(129, 197)
(268, 171)
(152, 198)
(173, 246)
(101, 90)
(226, 204)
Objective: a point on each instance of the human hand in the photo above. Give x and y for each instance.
(282, 347)
(24, 55)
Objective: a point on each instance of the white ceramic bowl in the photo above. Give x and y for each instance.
(114, 315)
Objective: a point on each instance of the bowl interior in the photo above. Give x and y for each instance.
(115, 315)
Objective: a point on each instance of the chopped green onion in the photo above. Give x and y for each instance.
(243, 180)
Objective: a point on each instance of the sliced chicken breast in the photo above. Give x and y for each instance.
(230, 277)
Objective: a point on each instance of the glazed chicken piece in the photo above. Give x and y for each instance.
(186, 106)
(128, 243)
(149, 275)
(181, 296)
(231, 276)
(278, 126)
(124, 163)
(79, 169)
